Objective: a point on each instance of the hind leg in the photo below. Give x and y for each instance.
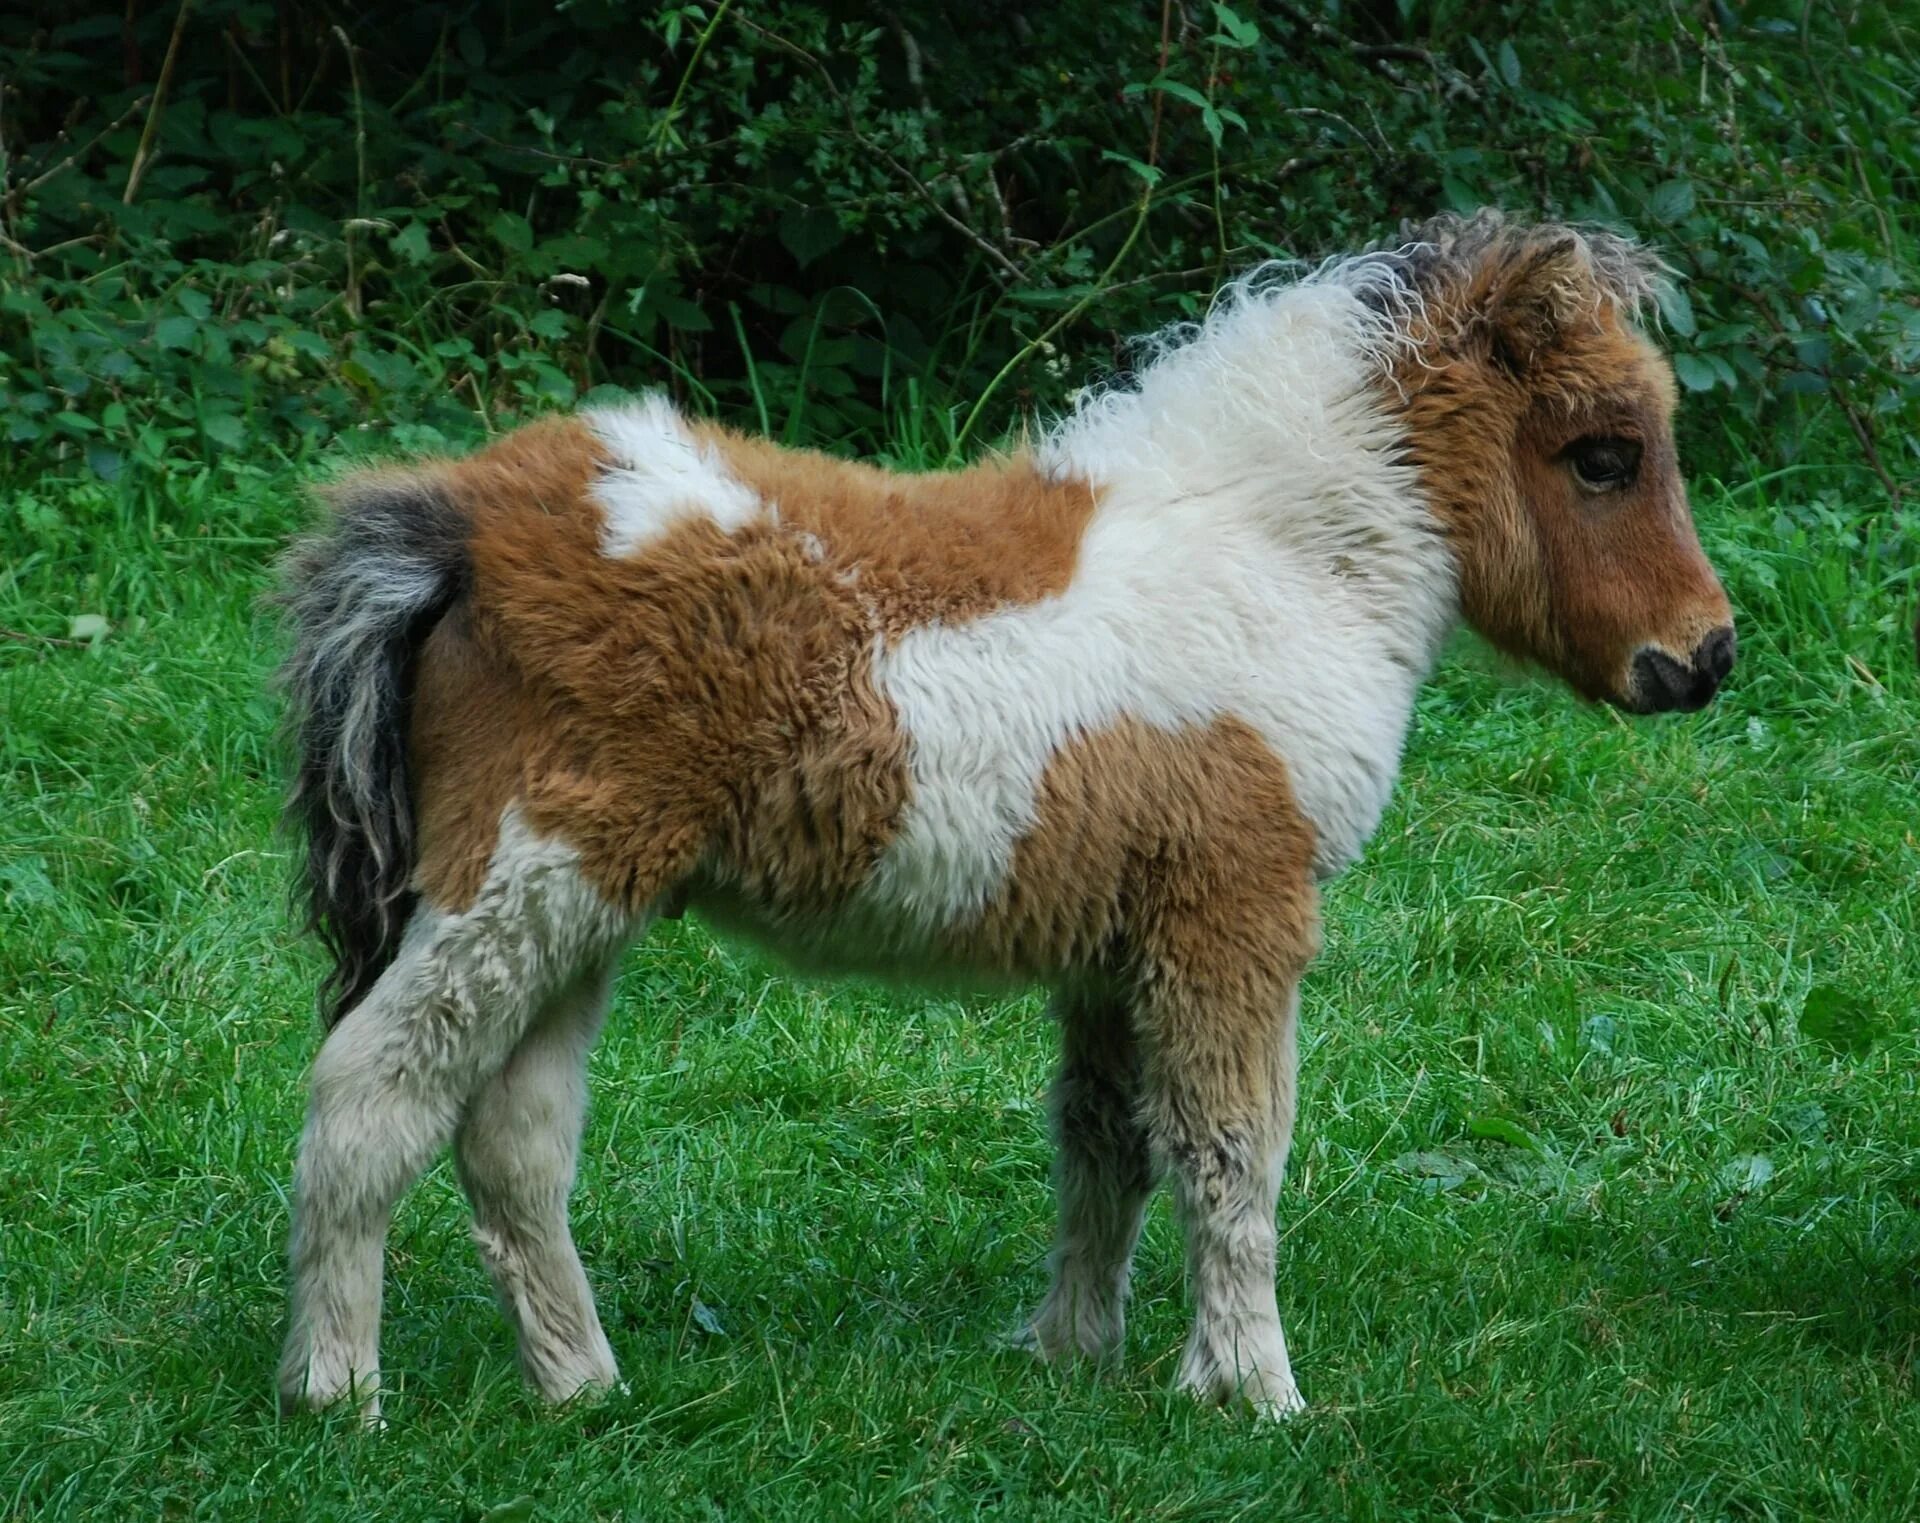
(1103, 1174)
(393, 1078)
(516, 1150)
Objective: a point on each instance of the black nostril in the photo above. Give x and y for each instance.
(1659, 681)
(1714, 657)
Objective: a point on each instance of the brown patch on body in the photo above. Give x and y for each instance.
(1516, 360)
(473, 731)
(938, 546)
(1158, 853)
(706, 702)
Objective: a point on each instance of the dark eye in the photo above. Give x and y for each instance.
(1603, 465)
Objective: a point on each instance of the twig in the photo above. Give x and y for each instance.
(1318, 113)
(25, 638)
(360, 173)
(1863, 431)
(542, 153)
(142, 156)
(18, 193)
(19, 251)
(1046, 334)
(1007, 267)
(1160, 96)
(686, 76)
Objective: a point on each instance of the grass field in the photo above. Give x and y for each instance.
(1605, 1202)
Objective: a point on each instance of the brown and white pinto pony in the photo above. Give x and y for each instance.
(1098, 715)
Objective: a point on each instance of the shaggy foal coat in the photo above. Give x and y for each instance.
(1099, 715)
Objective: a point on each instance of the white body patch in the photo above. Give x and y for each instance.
(661, 476)
(1260, 551)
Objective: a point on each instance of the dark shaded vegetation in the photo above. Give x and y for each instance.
(248, 221)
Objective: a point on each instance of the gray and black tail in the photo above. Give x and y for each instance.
(360, 594)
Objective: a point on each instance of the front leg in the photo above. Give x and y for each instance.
(1220, 1105)
(1103, 1174)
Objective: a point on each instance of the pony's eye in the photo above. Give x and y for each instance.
(1603, 465)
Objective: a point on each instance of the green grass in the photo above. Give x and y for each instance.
(1582, 1222)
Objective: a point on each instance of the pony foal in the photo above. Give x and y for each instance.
(1099, 715)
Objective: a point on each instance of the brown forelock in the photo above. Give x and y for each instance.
(708, 700)
(1159, 853)
(1494, 387)
(932, 547)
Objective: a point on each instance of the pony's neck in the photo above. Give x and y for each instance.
(1276, 421)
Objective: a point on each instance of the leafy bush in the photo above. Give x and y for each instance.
(281, 222)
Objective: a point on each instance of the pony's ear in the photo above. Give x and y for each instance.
(1530, 297)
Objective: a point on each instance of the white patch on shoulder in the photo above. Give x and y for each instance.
(1260, 551)
(661, 476)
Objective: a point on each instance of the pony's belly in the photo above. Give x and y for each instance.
(861, 938)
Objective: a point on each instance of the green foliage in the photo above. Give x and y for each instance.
(802, 215)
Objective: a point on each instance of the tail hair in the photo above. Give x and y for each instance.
(360, 594)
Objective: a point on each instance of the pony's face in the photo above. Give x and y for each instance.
(1634, 613)
(1543, 425)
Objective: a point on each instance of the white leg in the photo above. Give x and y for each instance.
(1223, 1129)
(393, 1078)
(516, 1151)
(1103, 1175)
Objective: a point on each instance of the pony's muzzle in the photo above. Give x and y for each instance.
(1661, 683)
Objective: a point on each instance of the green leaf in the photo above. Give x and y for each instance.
(1499, 1129)
(1236, 31)
(195, 303)
(1049, 296)
(24, 883)
(175, 332)
(678, 311)
(1440, 1171)
(573, 253)
(1461, 197)
(1695, 373)
(1676, 308)
(1747, 1172)
(1173, 87)
(225, 429)
(519, 1510)
(511, 231)
(411, 243)
(1814, 353)
(808, 232)
(1671, 200)
(1509, 64)
(1147, 172)
(1840, 1020)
